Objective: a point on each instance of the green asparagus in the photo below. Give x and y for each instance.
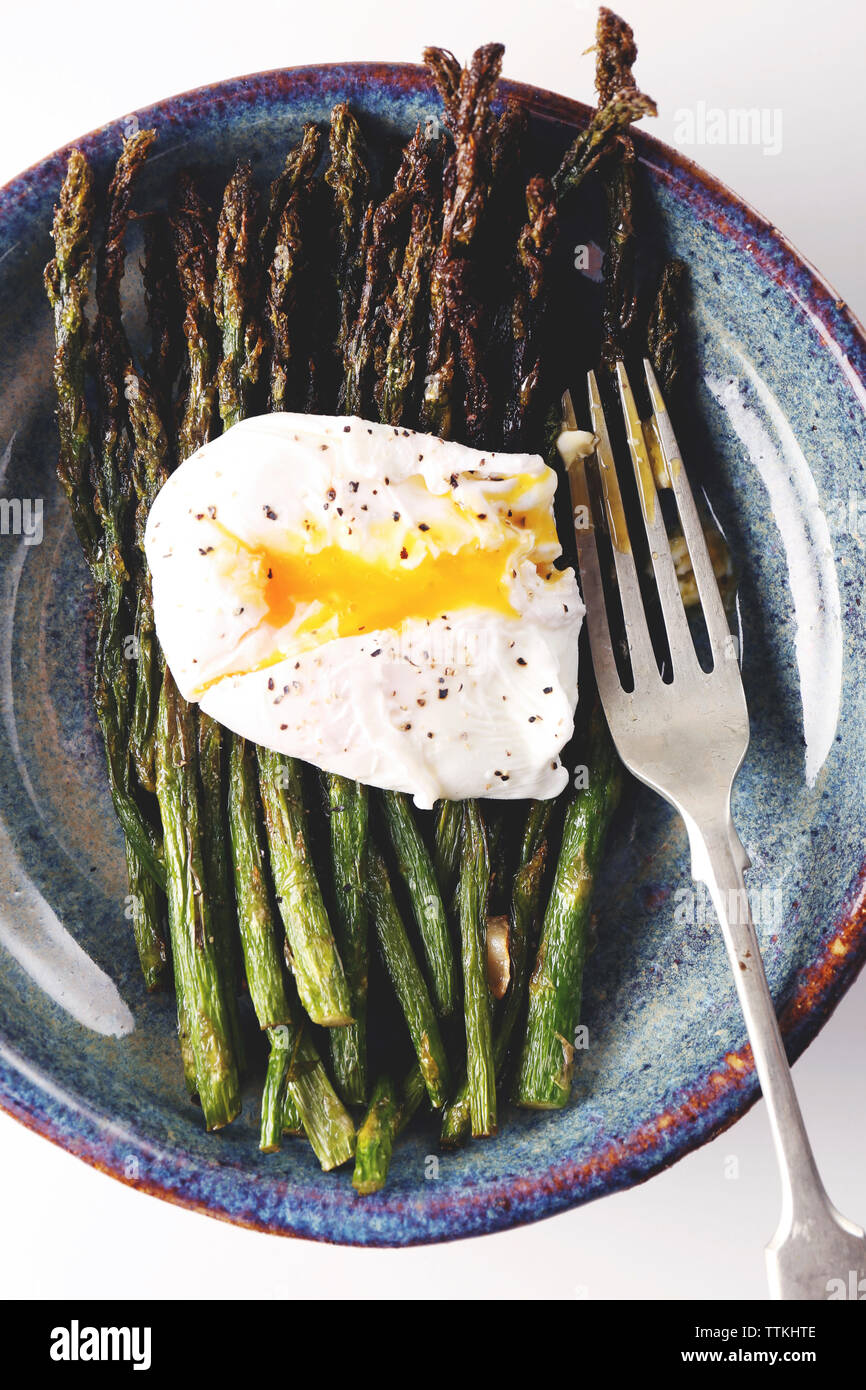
(299, 1097)
(196, 961)
(97, 503)
(416, 869)
(314, 958)
(195, 251)
(202, 268)
(407, 981)
(456, 321)
(348, 178)
(238, 275)
(148, 907)
(544, 1074)
(523, 914)
(326, 1122)
(376, 1138)
(66, 283)
(664, 330)
(348, 811)
(472, 900)
(388, 1115)
(596, 142)
(273, 1095)
(259, 939)
(446, 845)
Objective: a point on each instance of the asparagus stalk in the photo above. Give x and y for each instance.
(294, 177)
(326, 1122)
(216, 846)
(148, 906)
(291, 1115)
(285, 239)
(66, 278)
(112, 695)
(212, 276)
(238, 275)
(407, 981)
(209, 275)
(281, 304)
(472, 901)
(664, 330)
(396, 388)
(285, 279)
(616, 54)
(348, 178)
(348, 808)
(184, 1038)
(259, 940)
(416, 869)
(96, 502)
(619, 317)
(455, 311)
(596, 142)
(447, 838)
(388, 1115)
(524, 910)
(142, 732)
(66, 282)
(163, 312)
(546, 1064)
(299, 1097)
(376, 1138)
(150, 405)
(123, 584)
(365, 345)
(280, 1114)
(148, 472)
(273, 1095)
(506, 183)
(528, 311)
(413, 1091)
(196, 961)
(194, 248)
(314, 959)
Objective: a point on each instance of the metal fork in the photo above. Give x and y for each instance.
(687, 739)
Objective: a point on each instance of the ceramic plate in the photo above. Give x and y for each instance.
(777, 436)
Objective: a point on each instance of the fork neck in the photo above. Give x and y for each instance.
(719, 860)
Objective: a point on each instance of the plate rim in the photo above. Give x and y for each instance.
(702, 1113)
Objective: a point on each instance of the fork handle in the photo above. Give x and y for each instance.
(718, 860)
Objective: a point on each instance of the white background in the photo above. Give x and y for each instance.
(692, 1232)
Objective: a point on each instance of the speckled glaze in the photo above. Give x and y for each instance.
(778, 438)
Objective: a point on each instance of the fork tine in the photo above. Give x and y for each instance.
(680, 642)
(642, 656)
(702, 566)
(603, 662)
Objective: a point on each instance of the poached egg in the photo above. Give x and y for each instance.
(379, 602)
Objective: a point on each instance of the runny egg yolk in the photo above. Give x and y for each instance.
(339, 590)
(356, 595)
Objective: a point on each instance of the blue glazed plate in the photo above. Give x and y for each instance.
(89, 1061)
